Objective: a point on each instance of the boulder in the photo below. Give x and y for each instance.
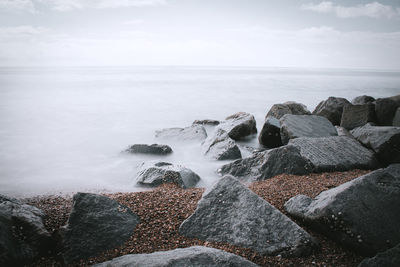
(385, 109)
(357, 115)
(23, 236)
(96, 223)
(331, 109)
(196, 256)
(341, 131)
(383, 140)
(239, 125)
(232, 213)
(278, 110)
(155, 149)
(362, 99)
(294, 126)
(221, 147)
(155, 173)
(206, 122)
(270, 135)
(191, 133)
(396, 118)
(362, 214)
(388, 258)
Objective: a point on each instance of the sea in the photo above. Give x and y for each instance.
(62, 129)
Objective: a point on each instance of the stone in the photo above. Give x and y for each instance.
(362, 99)
(207, 122)
(396, 118)
(196, 256)
(383, 140)
(341, 131)
(221, 147)
(385, 109)
(155, 149)
(239, 125)
(187, 134)
(232, 213)
(357, 115)
(295, 126)
(270, 135)
(154, 173)
(290, 107)
(331, 109)
(362, 214)
(96, 224)
(388, 258)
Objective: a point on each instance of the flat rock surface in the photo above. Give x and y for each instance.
(192, 133)
(220, 146)
(357, 115)
(239, 125)
(270, 135)
(388, 258)
(385, 109)
(155, 149)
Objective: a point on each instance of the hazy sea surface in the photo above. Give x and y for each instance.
(62, 129)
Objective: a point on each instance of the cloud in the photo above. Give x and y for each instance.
(17, 5)
(371, 10)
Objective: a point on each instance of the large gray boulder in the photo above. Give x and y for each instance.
(331, 109)
(220, 146)
(96, 223)
(23, 236)
(154, 149)
(357, 115)
(188, 134)
(362, 214)
(362, 99)
(294, 126)
(388, 258)
(154, 173)
(270, 135)
(232, 213)
(196, 256)
(383, 140)
(239, 125)
(290, 107)
(385, 109)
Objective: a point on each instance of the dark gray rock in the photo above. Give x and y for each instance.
(278, 110)
(155, 149)
(396, 118)
(385, 109)
(357, 115)
(239, 125)
(331, 109)
(207, 122)
(191, 133)
(383, 140)
(270, 135)
(388, 258)
(294, 126)
(221, 147)
(155, 173)
(362, 99)
(196, 256)
(232, 213)
(362, 214)
(96, 223)
(341, 131)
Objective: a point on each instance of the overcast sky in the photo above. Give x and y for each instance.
(286, 33)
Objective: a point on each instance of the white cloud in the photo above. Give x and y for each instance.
(133, 22)
(17, 5)
(372, 10)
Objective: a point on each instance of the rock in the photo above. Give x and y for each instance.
(385, 109)
(155, 173)
(396, 118)
(294, 126)
(221, 147)
(96, 223)
(206, 122)
(196, 256)
(150, 149)
(231, 213)
(278, 110)
(331, 109)
(388, 258)
(357, 115)
(383, 140)
(191, 133)
(270, 135)
(341, 131)
(362, 214)
(239, 125)
(363, 99)
(23, 236)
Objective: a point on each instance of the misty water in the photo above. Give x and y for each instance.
(62, 129)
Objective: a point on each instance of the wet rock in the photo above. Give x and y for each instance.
(239, 125)
(385, 109)
(362, 214)
(331, 109)
(362, 99)
(231, 213)
(357, 115)
(155, 149)
(155, 173)
(207, 122)
(270, 135)
(396, 118)
(96, 223)
(191, 133)
(278, 110)
(388, 258)
(221, 147)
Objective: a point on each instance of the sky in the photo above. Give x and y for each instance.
(282, 33)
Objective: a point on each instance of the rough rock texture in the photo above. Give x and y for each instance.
(154, 173)
(388, 258)
(294, 126)
(221, 147)
(191, 133)
(341, 131)
(362, 99)
(385, 109)
(239, 125)
(290, 107)
(357, 115)
(96, 223)
(150, 149)
(231, 213)
(331, 109)
(207, 122)
(396, 118)
(23, 236)
(185, 257)
(270, 135)
(362, 214)
(383, 140)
